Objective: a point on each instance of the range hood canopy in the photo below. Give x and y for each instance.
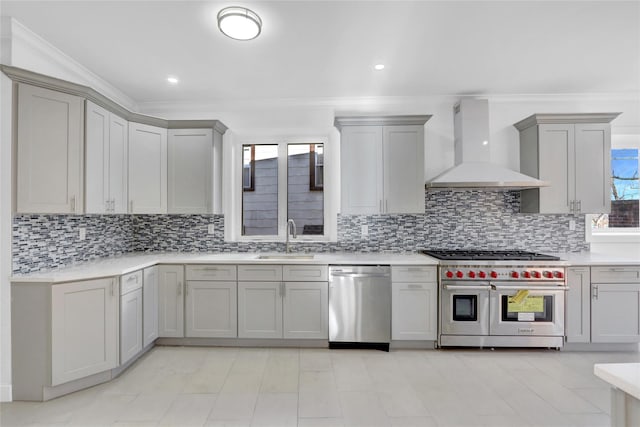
(473, 167)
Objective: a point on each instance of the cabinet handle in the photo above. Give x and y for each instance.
(113, 205)
(133, 278)
(179, 288)
(73, 203)
(415, 286)
(131, 206)
(380, 205)
(594, 292)
(386, 206)
(572, 205)
(579, 208)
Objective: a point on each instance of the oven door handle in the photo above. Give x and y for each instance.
(467, 288)
(529, 288)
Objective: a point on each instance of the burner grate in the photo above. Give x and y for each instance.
(488, 255)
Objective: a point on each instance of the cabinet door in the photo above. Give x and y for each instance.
(97, 159)
(305, 310)
(593, 167)
(578, 305)
(414, 311)
(150, 305)
(615, 313)
(130, 325)
(362, 170)
(403, 154)
(170, 301)
(147, 169)
(260, 309)
(84, 333)
(211, 309)
(118, 151)
(557, 165)
(190, 171)
(50, 154)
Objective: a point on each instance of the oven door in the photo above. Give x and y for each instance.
(464, 308)
(527, 309)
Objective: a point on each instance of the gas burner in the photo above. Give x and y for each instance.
(488, 255)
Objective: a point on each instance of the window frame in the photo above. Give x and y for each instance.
(313, 165)
(252, 166)
(619, 234)
(233, 212)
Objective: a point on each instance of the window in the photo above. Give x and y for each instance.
(280, 182)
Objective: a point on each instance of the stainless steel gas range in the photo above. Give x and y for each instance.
(500, 299)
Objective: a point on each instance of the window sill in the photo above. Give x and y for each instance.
(614, 237)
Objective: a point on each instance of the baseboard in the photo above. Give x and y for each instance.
(574, 346)
(413, 345)
(242, 342)
(5, 393)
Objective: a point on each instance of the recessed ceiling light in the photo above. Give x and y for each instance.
(173, 80)
(379, 67)
(239, 23)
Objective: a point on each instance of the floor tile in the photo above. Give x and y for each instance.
(276, 409)
(319, 404)
(189, 410)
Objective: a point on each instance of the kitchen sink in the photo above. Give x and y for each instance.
(285, 256)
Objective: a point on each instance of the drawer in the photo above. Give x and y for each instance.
(416, 273)
(212, 272)
(130, 282)
(615, 274)
(305, 273)
(260, 272)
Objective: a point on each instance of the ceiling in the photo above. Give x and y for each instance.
(327, 49)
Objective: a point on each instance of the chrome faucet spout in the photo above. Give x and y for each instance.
(291, 228)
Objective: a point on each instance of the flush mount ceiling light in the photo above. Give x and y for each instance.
(239, 23)
(172, 80)
(379, 67)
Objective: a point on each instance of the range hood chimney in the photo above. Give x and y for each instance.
(473, 168)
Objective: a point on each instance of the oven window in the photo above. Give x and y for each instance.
(465, 308)
(536, 308)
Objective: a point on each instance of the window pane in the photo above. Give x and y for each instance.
(260, 206)
(625, 191)
(305, 199)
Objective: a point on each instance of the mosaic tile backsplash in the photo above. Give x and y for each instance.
(452, 220)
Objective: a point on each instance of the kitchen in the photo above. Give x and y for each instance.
(279, 109)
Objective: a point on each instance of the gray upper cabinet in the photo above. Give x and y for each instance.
(190, 171)
(382, 164)
(50, 151)
(573, 153)
(147, 169)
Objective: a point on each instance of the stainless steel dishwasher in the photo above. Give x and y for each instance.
(360, 307)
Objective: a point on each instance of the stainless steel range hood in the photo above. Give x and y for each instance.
(473, 168)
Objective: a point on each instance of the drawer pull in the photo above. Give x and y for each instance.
(415, 286)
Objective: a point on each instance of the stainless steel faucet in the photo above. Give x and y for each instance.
(291, 228)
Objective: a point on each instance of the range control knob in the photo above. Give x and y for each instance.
(459, 274)
(482, 274)
(494, 275)
(547, 274)
(558, 274)
(515, 274)
(449, 274)
(536, 274)
(526, 274)
(471, 274)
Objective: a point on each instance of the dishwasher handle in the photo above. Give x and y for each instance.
(360, 275)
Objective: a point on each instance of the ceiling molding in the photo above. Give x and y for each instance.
(20, 75)
(341, 121)
(559, 118)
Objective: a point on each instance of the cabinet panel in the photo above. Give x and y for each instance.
(130, 325)
(403, 154)
(259, 310)
(211, 272)
(131, 281)
(305, 273)
(118, 151)
(150, 305)
(305, 310)
(418, 274)
(361, 169)
(190, 172)
(578, 305)
(557, 165)
(414, 311)
(50, 155)
(615, 274)
(147, 169)
(170, 301)
(260, 272)
(84, 319)
(211, 309)
(615, 313)
(593, 167)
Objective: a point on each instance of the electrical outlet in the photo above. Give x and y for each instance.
(572, 225)
(364, 230)
(82, 233)
(210, 229)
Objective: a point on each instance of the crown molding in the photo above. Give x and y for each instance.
(559, 118)
(341, 121)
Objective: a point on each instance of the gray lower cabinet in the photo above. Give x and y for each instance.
(295, 305)
(61, 333)
(171, 301)
(149, 305)
(130, 325)
(414, 303)
(211, 306)
(578, 305)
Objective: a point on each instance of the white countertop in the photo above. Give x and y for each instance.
(601, 258)
(624, 376)
(124, 264)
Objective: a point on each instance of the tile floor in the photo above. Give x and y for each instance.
(191, 386)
